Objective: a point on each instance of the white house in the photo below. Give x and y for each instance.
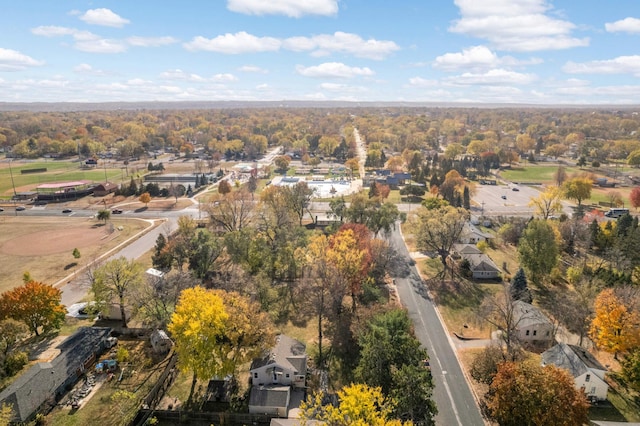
(285, 364)
(472, 235)
(481, 265)
(587, 372)
(532, 326)
(276, 376)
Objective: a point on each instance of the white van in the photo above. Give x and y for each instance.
(615, 212)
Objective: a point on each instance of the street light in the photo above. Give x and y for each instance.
(15, 195)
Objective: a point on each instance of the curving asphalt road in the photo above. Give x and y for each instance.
(453, 397)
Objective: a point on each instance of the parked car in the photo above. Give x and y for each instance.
(504, 197)
(66, 211)
(20, 208)
(1, 209)
(515, 189)
(116, 211)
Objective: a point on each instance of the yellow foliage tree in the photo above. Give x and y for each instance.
(197, 327)
(247, 332)
(360, 405)
(548, 202)
(616, 325)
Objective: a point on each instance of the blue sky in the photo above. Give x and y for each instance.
(480, 51)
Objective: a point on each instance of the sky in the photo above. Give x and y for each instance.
(468, 51)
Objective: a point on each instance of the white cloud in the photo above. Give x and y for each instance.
(341, 42)
(495, 77)
(517, 25)
(619, 65)
(103, 17)
(252, 68)
(150, 41)
(627, 25)
(178, 74)
(421, 82)
(12, 60)
(291, 8)
(225, 77)
(237, 43)
(102, 45)
(55, 31)
(87, 69)
(477, 58)
(333, 70)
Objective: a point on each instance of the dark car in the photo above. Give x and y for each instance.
(66, 211)
(20, 208)
(504, 197)
(1, 209)
(515, 189)
(116, 211)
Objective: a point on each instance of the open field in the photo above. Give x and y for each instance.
(536, 173)
(57, 171)
(44, 246)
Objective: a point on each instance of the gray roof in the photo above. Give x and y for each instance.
(570, 357)
(477, 259)
(45, 380)
(269, 396)
(527, 314)
(288, 353)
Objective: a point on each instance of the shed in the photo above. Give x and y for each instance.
(104, 189)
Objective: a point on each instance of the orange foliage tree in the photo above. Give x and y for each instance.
(527, 394)
(616, 324)
(634, 197)
(36, 304)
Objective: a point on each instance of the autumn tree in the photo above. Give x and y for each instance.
(282, 162)
(36, 304)
(197, 327)
(439, 229)
(224, 187)
(145, 198)
(298, 198)
(11, 332)
(247, 331)
(631, 369)
(634, 197)
(527, 394)
(358, 405)
(538, 249)
(578, 188)
(157, 297)
(231, 212)
(114, 282)
(349, 265)
(615, 326)
(548, 202)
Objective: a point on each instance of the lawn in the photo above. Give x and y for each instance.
(44, 246)
(535, 173)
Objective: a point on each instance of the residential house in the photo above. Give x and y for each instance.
(44, 384)
(472, 235)
(532, 326)
(480, 264)
(285, 364)
(276, 376)
(587, 372)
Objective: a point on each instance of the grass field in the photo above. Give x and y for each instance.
(44, 246)
(535, 173)
(57, 171)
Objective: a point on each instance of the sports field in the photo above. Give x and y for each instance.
(44, 246)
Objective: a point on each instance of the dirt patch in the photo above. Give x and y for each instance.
(55, 241)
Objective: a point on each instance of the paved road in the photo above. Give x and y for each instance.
(456, 404)
(489, 200)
